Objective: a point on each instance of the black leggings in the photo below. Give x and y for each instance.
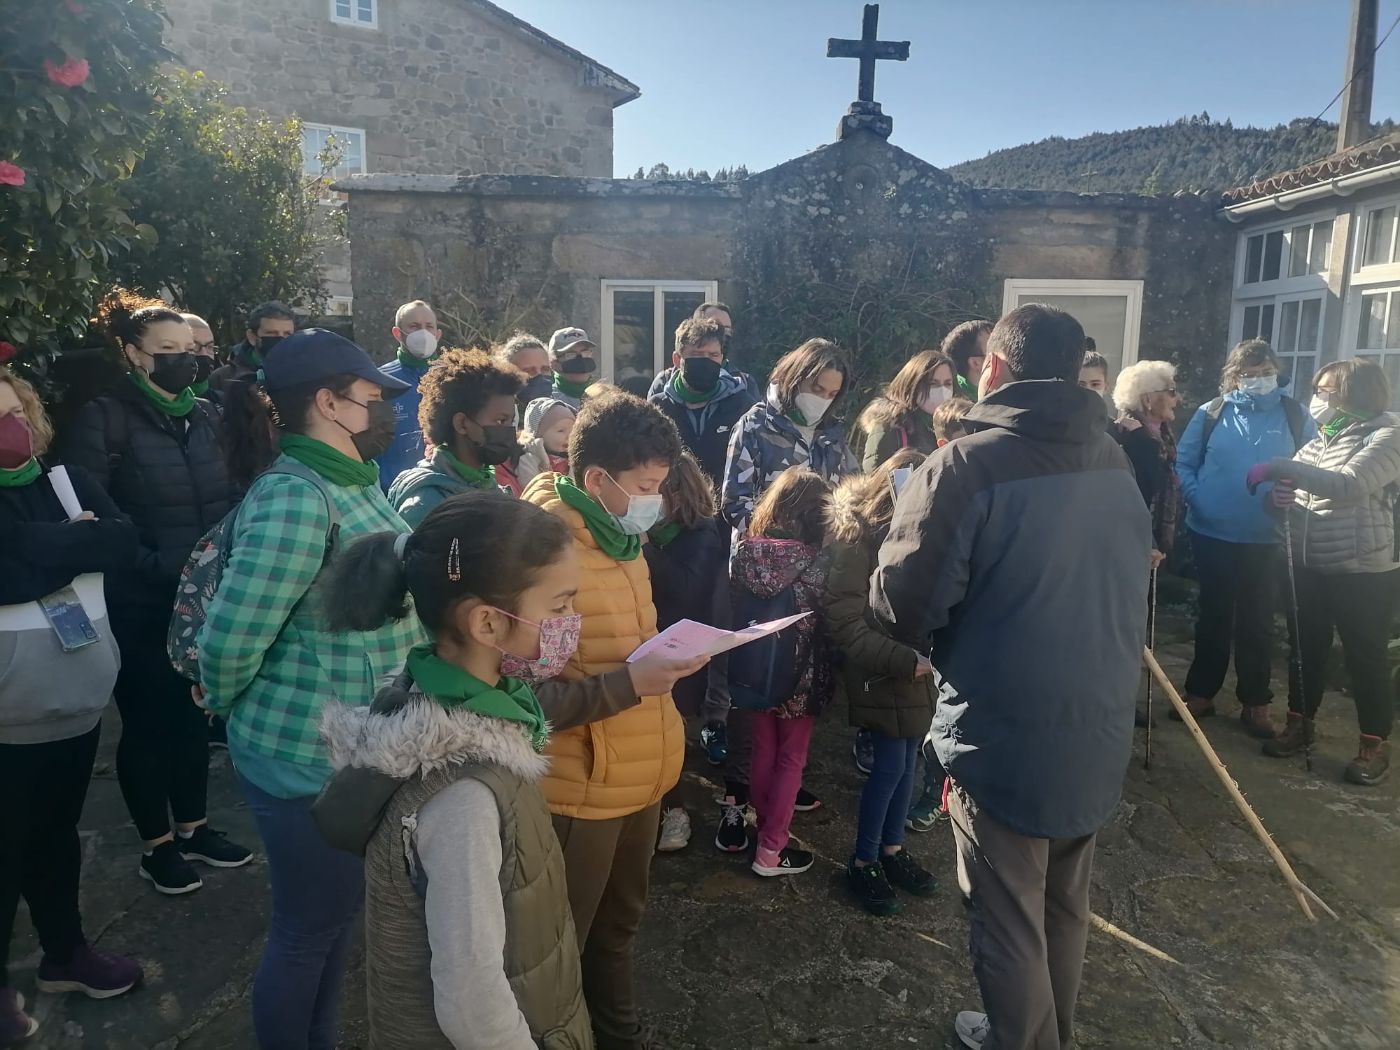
(43, 787)
(163, 756)
(1238, 583)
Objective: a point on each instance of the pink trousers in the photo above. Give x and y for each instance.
(775, 774)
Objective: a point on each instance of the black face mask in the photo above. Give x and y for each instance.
(535, 387)
(375, 439)
(577, 366)
(173, 372)
(497, 444)
(266, 343)
(203, 368)
(700, 373)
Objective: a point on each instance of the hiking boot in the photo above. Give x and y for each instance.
(1199, 708)
(15, 1025)
(806, 802)
(714, 738)
(787, 861)
(926, 811)
(1296, 735)
(972, 1028)
(169, 872)
(1371, 763)
(1256, 721)
(211, 847)
(675, 830)
(733, 833)
(904, 872)
(96, 974)
(863, 751)
(871, 888)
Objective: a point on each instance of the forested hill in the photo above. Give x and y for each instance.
(1193, 153)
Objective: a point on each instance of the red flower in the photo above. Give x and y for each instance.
(7, 352)
(11, 174)
(72, 73)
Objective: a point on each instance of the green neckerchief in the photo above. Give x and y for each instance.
(689, 396)
(795, 414)
(572, 387)
(180, 405)
(332, 464)
(613, 542)
(1342, 420)
(201, 388)
(509, 699)
(967, 388)
(665, 532)
(13, 479)
(477, 477)
(418, 364)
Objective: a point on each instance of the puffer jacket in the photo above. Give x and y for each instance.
(1344, 520)
(627, 762)
(877, 674)
(166, 474)
(885, 429)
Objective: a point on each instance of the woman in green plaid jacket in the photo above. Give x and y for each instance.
(269, 667)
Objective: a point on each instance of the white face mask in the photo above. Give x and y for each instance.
(812, 407)
(1321, 410)
(642, 511)
(936, 396)
(422, 344)
(1259, 386)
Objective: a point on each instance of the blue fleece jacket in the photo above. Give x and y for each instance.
(1252, 429)
(407, 448)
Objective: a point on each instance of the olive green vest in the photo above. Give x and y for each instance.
(541, 955)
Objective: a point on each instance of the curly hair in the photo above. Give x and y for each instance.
(462, 381)
(40, 429)
(1137, 381)
(123, 316)
(616, 431)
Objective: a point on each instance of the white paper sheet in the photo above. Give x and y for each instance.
(63, 489)
(687, 639)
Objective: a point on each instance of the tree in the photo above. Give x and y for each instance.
(76, 90)
(238, 221)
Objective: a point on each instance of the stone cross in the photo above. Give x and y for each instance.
(869, 50)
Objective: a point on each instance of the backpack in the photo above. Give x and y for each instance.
(199, 579)
(1292, 411)
(763, 674)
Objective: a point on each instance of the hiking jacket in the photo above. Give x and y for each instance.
(1344, 520)
(886, 428)
(1251, 429)
(167, 474)
(663, 380)
(625, 763)
(470, 939)
(706, 429)
(764, 444)
(877, 673)
(1153, 464)
(418, 490)
(1018, 559)
(688, 577)
(407, 448)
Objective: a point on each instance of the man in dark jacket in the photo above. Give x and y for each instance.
(268, 325)
(1018, 559)
(719, 313)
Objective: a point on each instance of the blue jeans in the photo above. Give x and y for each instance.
(317, 893)
(884, 802)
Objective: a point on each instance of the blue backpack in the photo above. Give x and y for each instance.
(763, 674)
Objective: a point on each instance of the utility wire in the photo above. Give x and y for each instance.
(1370, 62)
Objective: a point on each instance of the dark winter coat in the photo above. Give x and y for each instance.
(687, 582)
(1154, 466)
(167, 474)
(877, 673)
(1018, 559)
(241, 367)
(886, 428)
(663, 380)
(706, 429)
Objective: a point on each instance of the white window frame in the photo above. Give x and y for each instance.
(336, 129)
(1283, 285)
(1028, 288)
(340, 306)
(662, 351)
(373, 22)
(1384, 273)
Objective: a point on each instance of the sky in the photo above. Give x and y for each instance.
(726, 82)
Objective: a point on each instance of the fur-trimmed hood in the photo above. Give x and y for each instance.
(844, 510)
(881, 412)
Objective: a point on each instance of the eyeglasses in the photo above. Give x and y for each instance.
(1169, 390)
(205, 348)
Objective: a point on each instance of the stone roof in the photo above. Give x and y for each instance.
(1372, 154)
(595, 74)
(536, 186)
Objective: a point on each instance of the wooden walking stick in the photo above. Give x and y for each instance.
(1300, 890)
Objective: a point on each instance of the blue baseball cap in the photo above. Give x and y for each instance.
(314, 354)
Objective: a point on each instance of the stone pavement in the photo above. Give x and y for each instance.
(729, 961)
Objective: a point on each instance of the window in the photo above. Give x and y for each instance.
(1110, 311)
(639, 324)
(1378, 334)
(1380, 248)
(1301, 250)
(349, 142)
(1292, 325)
(362, 13)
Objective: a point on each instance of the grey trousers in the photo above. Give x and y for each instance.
(1028, 903)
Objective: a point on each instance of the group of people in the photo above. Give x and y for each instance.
(411, 592)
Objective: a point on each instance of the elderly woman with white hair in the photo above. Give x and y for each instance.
(1146, 398)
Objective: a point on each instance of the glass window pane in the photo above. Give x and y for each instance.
(1104, 318)
(1391, 364)
(1321, 253)
(1380, 234)
(1300, 369)
(678, 306)
(1309, 325)
(1298, 251)
(1266, 323)
(342, 8)
(1288, 328)
(1371, 334)
(634, 334)
(1251, 323)
(1392, 327)
(1253, 259)
(1273, 256)
(366, 10)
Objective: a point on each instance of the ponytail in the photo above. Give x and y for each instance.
(365, 585)
(123, 316)
(253, 419)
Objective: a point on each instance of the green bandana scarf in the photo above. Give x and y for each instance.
(572, 387)
(13, 479)
(795, 414)
(509, 699)
(418, 364)
(180, 405)
(689, 396)
(201, 388)
(664, 533)
(967, 388)
(613, 542)
(1341, 421)
(332, 464)
(477, 477)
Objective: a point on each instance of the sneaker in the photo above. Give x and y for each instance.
(1371, 763)
(1198, 707)
(972, 1028)
(675, 830)
(15, 1024)
(1296, 735)
(96, 974)
(1256, 721)
(925, 812)
(714, 738)
(733, 833)
(218, 734)
(806, 801)
(863, 751)
(211, 847)
(871, 888)
(788, 861)
(169, 872)
(904, 872)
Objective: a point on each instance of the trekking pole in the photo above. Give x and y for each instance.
(1296, 653)
(1152, 648)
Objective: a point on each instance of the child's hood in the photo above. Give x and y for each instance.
(766, 566)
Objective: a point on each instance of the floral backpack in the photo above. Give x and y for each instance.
(199, 579)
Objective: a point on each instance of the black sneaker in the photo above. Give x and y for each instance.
(872, 888)
(218, 734)
(169, 872)
(211, 847)
(790, 861)
(903, 871)
(733, 833)
(714, 738)
(863, 751)
(806, 801)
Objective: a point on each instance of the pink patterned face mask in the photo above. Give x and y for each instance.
(558, 642)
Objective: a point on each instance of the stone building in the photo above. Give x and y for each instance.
(430, 86)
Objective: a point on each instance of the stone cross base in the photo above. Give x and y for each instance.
(865, 116)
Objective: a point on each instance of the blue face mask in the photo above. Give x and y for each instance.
(642, 511)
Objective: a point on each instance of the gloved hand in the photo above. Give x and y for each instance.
(1284, 495)
(1258, 474)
